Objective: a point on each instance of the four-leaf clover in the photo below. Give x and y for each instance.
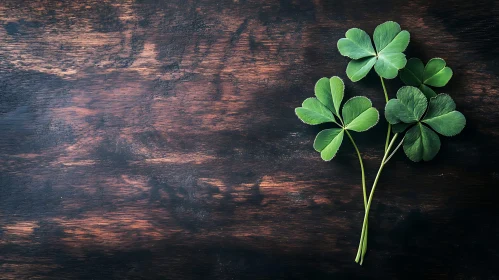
(434, 74)
(421, 142)
(388, 58)
(357, 115)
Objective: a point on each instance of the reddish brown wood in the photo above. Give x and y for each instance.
(157, 140)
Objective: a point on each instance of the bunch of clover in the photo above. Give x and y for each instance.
(416, 116)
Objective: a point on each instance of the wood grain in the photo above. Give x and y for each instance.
(157, 140)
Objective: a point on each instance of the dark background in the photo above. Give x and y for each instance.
(157, 140)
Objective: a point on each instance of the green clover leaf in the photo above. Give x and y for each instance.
(313, 112)
(408, 107)
(359, 114)
(443, 117)
(328, 142)
(330, 93)
(356, 115)
(434, 74)
(390, 42)
(420, 141)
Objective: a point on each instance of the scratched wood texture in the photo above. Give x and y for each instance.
(157, 140)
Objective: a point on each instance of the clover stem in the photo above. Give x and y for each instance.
(363, 235)
(361, 168)
(388, 134)
(364, 246)
(395, 150)
(389, 125)
(384, 88)
(363, 180)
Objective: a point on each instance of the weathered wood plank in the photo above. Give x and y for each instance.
(157, 139)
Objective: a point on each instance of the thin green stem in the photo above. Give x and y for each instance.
(361, 168)
(389, 125)
(366, 215)
(388, 134)
(364, 191)
(395, 150)
(364, 247)
(384, 88)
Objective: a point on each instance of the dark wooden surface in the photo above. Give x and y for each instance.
(157, 140)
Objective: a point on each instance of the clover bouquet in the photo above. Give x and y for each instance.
(416, 116)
